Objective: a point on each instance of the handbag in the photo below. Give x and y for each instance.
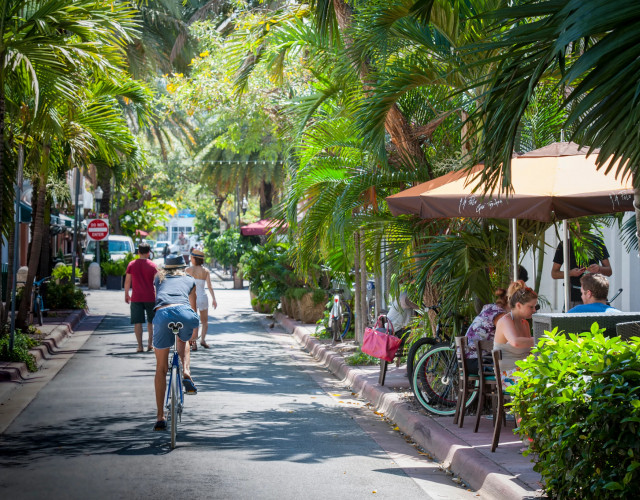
(379, 343)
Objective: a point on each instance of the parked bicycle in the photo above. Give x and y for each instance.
(435, 377)
(340, 316)
(444, 332)
(37, 307)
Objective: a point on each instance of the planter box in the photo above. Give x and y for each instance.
(309, 312)
(114, 282)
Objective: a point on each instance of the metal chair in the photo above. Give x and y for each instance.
(465, 380)
(487, 384)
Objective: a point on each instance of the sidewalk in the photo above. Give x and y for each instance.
(54, 330)
(505, 474)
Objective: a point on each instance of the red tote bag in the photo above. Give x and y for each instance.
(379, 343)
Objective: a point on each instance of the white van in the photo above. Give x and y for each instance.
(119, 246)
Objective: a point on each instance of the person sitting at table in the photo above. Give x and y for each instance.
(483, 327)
(594, 289)
(513, 334)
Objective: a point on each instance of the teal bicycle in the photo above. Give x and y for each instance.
(175, 396)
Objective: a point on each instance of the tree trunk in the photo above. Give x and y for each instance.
(364, 313)
(357, 324)
(636, 205)
(12, 239)
(396, 124)
(266, 198)
(2, 111)
(34, 255)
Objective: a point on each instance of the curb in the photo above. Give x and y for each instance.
(13, 371)
(483, 475)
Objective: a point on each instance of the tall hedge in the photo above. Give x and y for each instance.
(579, 399)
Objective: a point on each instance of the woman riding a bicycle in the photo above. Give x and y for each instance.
(175, 302)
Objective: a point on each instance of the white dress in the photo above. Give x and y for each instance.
(202, 301)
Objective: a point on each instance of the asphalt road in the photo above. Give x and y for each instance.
(267, 422)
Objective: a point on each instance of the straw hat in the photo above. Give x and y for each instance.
(174, 261)
(197, 253)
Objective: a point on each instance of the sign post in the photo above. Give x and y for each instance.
(98, 230)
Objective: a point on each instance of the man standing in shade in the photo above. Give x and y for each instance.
(140, 274)
(599, 264)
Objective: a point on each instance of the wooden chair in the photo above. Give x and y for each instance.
(487, 385)
(466, 381)
(501, 416)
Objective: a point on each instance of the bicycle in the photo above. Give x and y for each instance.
(174, 402)
(435, 377)
(38, 302)
(423, 344)
(339, 316)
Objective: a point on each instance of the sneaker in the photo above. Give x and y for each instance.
(161, 425)
(189, 386)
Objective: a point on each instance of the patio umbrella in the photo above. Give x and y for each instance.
(557, 182)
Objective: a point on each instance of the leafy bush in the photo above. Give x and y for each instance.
(113, 267)
(579, 399)
(265, 267)
(229, 247)
(63, 296)
(21, 345)
(360, 358)
(63, 274)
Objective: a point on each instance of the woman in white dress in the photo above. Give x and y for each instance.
(202, 277)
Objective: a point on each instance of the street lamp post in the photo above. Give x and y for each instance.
(97, 194)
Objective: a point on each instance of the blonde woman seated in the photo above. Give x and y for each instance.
(513, 334)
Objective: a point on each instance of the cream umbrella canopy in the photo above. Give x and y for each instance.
(557, 182)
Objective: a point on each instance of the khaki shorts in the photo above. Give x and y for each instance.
(138, 310)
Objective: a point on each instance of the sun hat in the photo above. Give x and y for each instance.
(174, 261)
(197, 253)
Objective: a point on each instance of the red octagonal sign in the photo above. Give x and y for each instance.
(97, 229)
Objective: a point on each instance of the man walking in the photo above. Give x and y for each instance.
(140, 274)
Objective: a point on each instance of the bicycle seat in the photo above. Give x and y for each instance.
(175, 327)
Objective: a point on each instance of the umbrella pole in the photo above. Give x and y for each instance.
(514, 248)
(567, 263)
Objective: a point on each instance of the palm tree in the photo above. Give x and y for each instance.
(592, 51)
(44, 37)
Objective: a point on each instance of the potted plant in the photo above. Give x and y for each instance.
(114, 270)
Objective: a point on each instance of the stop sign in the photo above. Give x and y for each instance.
(97, 229)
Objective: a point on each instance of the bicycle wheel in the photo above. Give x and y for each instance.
(416, 351)
(175, 399)
(37, 310)
(346, 318)
(435, 381)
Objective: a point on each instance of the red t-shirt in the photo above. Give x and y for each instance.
(142, 272)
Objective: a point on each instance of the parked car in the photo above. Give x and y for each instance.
(119, 246)
(158, 248)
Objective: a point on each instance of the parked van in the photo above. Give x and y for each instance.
(119, 246)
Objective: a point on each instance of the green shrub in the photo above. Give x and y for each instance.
(114, 267)
(63, 296)
(229, 247)
(21, 345)
(63, 273)
(264, 267)
(360, 358)
(579, 399)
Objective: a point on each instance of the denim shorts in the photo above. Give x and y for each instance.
(162, 336)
